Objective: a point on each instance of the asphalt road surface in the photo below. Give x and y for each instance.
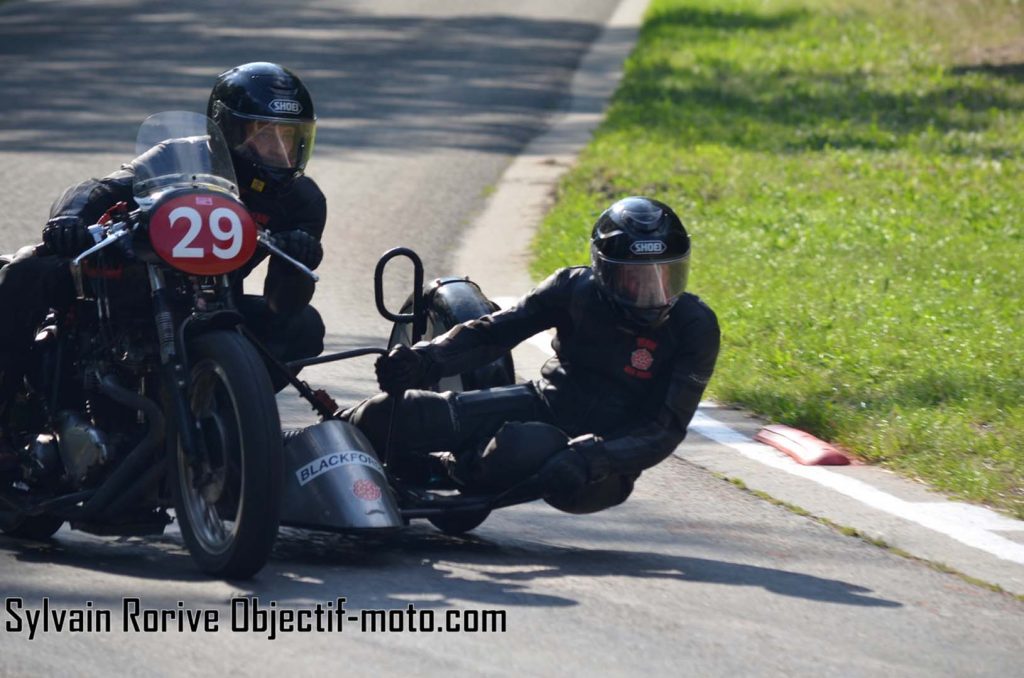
(422, 105)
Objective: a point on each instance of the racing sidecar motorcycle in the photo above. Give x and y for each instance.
(336, 481)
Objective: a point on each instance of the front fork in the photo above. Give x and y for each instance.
(172, 367)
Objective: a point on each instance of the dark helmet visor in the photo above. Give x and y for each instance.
(281, 144)
(643, 284)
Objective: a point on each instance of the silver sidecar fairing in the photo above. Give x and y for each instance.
(334, 481)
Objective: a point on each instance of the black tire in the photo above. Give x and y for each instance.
(450, 302)
(230, 523)
(459, 523)
(35, 527)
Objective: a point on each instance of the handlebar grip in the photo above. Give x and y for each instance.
(418, 316)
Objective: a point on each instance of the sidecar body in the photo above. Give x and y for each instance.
(334, 479)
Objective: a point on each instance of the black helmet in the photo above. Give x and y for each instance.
(267, 118)
(640, 253)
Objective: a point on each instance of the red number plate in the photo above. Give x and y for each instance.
(202, 233)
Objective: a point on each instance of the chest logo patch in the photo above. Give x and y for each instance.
(641, 359)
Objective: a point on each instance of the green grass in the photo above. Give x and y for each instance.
(852, 174)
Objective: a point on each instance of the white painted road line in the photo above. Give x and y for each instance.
(974, 526)
(970, 525)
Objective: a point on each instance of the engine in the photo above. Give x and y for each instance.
(83, 447)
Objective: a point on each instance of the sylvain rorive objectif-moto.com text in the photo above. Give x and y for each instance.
(243, 615)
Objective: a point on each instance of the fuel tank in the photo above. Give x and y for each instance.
(334, 481)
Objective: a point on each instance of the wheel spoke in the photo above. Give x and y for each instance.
(213, 491)
(212, 410)
(215, 522)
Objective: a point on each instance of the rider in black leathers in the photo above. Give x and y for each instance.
(266, 115)
(633, 354)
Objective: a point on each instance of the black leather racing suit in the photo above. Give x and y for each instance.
(637, 388)
(281, 317)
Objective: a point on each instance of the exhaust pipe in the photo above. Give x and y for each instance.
(133, 469)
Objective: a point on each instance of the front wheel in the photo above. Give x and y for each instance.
(228, 502)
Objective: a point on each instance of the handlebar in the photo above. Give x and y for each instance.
(114, 233)
(265, 240)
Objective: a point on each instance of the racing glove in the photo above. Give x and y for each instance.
(401, 369)
(584, 462)
(67, 236)
(301, 246)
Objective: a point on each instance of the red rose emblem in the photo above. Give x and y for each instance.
(641, 359)
(366, 490)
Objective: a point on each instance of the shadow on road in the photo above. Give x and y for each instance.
(81, 79)
(606, 563)
(423, 566)
(163, 558)
(501, 572)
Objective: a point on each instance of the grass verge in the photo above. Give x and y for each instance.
(851, 172)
